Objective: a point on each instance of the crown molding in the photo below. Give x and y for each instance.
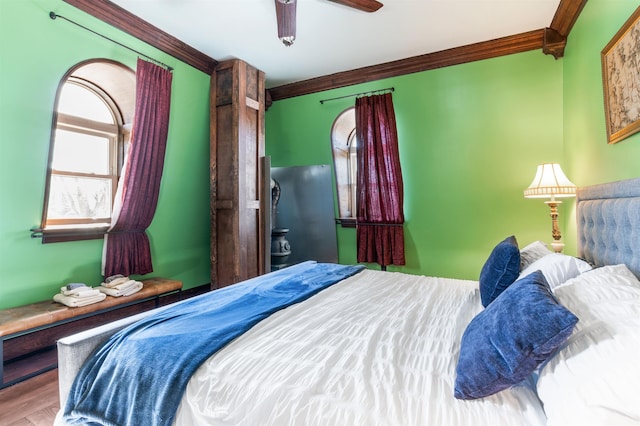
(531, 40)
(555, 37)
(551, 40)
(566, 16)
(131, 24)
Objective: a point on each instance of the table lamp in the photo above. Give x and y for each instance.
(551, 182)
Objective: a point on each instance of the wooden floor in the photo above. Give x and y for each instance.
(32, 402)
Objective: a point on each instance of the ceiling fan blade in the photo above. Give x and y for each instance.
(364, 5)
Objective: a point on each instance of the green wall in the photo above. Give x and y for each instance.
(588, 158)
(470, 138)
(35, 52)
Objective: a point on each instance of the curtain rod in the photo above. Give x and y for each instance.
(390, 89)
(54, 15)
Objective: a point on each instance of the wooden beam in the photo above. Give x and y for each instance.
(554, 43)
(555, 37)
(551, 40)
(518, 43)
(566, 15)
(118, 17)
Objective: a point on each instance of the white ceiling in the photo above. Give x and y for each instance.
(333, 38)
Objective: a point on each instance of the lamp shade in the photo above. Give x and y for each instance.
(550, 181)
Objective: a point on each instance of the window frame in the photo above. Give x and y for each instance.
(62, 230)
(345, 135)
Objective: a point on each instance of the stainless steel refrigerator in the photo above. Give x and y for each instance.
(303, 204)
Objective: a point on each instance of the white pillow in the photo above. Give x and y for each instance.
(593, 378)
(532, 252)
(606, 275)
(557, 268)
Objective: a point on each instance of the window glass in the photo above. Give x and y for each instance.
(80, 101)
(83, 166)
(75, 197)
(81, 152)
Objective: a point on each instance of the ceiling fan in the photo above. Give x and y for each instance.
(286, 15)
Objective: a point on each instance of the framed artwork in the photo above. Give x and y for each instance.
(621, 80)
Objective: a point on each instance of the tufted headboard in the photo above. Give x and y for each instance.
(608, 221)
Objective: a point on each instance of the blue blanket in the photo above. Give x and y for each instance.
(139, 375)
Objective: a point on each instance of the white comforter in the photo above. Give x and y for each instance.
(379, 348)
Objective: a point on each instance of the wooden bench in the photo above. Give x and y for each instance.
(26, 320)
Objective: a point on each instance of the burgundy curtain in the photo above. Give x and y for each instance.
(126, 249)
(380, 235)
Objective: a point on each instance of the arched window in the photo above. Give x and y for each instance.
(94, 106)
(344, 144)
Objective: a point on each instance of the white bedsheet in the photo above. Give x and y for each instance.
(379, 348)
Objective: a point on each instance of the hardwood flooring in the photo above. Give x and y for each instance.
(32, 402)
(35, 402)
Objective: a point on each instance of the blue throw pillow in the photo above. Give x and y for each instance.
(500, 270)
(505, 342)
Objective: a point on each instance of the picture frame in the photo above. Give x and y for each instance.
(621, 81)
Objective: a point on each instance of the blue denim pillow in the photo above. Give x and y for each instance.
(505, 342)
(500, 270)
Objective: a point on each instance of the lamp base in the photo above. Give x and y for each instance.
(557, 246)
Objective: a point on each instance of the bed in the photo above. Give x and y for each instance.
(540, 339)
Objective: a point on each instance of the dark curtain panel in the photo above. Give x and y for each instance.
(380, 235)
(126, 249)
